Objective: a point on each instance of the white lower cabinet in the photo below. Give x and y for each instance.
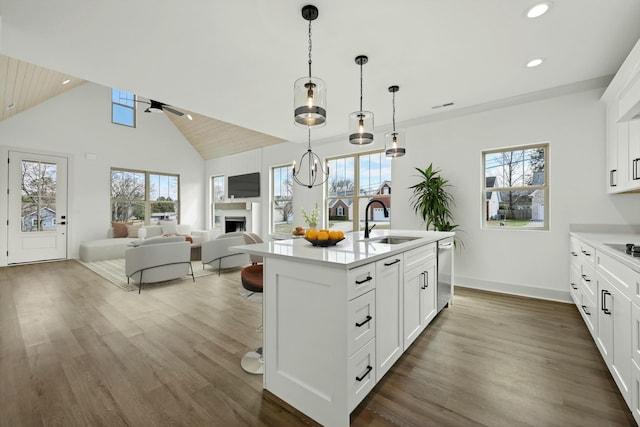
(603, 288)
(331, 334)
(420, 294)
(389, 310)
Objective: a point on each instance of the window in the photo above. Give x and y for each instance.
(217, 195)
(144, 196)
(281, 199)
(123, 110)
(354, 181)
(516, 192)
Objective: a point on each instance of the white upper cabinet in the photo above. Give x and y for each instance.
(622, 98)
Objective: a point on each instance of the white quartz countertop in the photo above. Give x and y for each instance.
(351, 252)
(600, 240)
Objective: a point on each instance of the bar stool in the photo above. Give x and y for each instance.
(252, 280)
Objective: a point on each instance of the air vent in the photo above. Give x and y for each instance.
(448, 104)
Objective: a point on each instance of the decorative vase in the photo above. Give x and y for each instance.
(313, 225)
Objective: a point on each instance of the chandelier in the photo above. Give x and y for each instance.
(310, 93)
(308, 169)
(361, 122)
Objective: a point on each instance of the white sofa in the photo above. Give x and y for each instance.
(111, 248)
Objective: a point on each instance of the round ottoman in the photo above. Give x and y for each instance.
(251, 277)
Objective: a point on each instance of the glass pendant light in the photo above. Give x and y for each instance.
(361, 122)
(394, 142)
(310, 93)
(308, 169)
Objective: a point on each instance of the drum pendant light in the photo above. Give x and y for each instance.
(394, 142)
(361, 122)
(310, 93)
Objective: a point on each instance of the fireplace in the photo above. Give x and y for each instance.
(235, 223)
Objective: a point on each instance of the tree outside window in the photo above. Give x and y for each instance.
(144, 196)
(516, 188)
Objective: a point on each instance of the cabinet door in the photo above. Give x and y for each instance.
(389, 308)
(614, 333)
(429, 293)
(413, 282)
(613, 172)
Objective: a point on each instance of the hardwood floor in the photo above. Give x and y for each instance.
(77, 351)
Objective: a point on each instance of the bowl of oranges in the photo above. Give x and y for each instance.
(323, 238)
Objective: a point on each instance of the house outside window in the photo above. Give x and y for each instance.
(217, 196)
(281, 199)
(355, 180)
(123, 111)
(144, 196)
(516, 188)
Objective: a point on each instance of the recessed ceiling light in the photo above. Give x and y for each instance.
(189, 117)
(538, 9)
(535, 62)
(66, 81)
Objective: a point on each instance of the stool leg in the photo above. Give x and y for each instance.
(252, 362)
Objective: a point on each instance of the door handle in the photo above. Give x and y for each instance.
(391, 263)
(425, 282)
(604, 301)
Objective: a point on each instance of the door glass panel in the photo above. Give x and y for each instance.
(38, 206)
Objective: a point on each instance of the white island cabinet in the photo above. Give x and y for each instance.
(334, 318)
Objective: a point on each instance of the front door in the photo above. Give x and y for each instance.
(37, 208)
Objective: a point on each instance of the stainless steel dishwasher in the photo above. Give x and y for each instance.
(445, 271)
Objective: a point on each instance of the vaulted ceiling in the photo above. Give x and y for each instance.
(236, 61)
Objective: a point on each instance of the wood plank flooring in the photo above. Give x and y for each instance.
(77, 351)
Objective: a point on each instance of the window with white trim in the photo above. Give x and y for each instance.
(281, 199)
(354, 181)
(516, 188)
(217, 195)
(123, 111)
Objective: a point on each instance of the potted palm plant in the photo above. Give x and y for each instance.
(431, 200)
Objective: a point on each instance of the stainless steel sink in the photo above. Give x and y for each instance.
(392, 240)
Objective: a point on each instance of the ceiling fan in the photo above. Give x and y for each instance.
(158, 107)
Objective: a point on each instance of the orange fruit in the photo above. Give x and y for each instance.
(323, 235)
(340, 234)
(325, 230)
(312, 234)
(334, 235)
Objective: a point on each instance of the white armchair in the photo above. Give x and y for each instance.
(158, 260)
(216, 252)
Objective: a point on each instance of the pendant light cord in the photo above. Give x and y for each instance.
(393, 102)
(361, 86)
(309, 48)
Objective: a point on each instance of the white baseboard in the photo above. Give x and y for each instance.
(509, 288)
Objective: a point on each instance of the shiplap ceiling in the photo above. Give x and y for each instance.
(24, 85)
(236, 61)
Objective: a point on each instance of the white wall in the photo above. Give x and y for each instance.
(528, 262)
(79, 122)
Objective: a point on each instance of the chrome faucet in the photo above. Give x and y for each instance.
(366, 216)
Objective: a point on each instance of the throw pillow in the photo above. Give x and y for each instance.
(119, 229)
(169, 227)
(132, 229)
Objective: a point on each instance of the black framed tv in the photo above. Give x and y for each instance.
(241, 186)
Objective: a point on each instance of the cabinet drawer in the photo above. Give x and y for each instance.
(574, 249)
(588, 280)
(361, 280)
(574, 285)
(622, 277)
(362, 321)
(417, 256)
(635, 391)
(589, 311)
(587, 254)
(361, 374)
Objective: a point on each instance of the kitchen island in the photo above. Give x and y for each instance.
(337, 318)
